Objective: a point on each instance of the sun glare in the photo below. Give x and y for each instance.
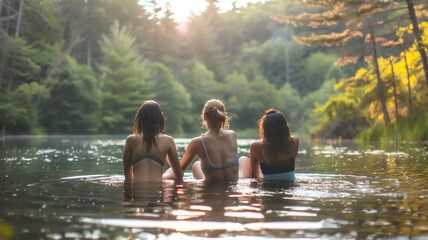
(182, 28)
(183, 9)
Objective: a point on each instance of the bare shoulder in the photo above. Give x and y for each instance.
(233, 133)
(132, 138)
(194, 145)
(296, 140)
(256, 145)
(195, 141)
(166, 138)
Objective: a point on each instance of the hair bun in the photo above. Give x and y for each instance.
(271, 111)
(215, 113)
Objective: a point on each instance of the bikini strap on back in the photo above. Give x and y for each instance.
(203, 144)
(231, 139)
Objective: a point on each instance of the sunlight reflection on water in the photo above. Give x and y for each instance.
(74, 188)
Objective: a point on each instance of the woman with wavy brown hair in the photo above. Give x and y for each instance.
(272, 157)
(217, 147)
(148, 148)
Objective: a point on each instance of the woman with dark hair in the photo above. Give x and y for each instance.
(217, 147)
(272, 157)
(148, 148)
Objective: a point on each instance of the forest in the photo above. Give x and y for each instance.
(337, 69)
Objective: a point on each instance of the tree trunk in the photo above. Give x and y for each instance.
(417, 33)
(2, 58)
(379, 81)
(408, 85)
(18, 27)
(18, 23)
(395, 90)
(12, 65)
(89, 56)
(8, 14)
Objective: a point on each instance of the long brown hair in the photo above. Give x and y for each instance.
(149, 120)
(215, 113)
(275, 134)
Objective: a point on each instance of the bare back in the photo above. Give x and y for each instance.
(221, 149)
(219, 156)
(141, 165)
(257, 156)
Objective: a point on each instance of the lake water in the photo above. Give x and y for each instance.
(63, 187)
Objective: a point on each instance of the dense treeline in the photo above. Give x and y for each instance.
(77, 66)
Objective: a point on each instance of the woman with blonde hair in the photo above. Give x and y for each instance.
(274, 156)
(217, 147)
(148, 148)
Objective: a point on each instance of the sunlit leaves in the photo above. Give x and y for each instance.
(361, 90)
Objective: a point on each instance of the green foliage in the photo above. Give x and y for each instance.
(359, 93)
(245, 57)
(317, 66)
(342, 118)
(173, 98)
(123, 83)
(28, 62)
(40, 22)
(75, 100)
(271, 58)
(291, 105)
(249, 99)
(310, 104)
(18, 108)
(334, 72)
(200, 82)
(410, 129)
(203, 41)
(21, 57)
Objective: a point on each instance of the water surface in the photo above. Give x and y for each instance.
(62, 187)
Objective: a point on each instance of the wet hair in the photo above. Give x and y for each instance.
(149, 120)
(215, 114)
(275, 134)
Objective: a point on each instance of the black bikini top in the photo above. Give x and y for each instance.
(283, 168)
(153, 158)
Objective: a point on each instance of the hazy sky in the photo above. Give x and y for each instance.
(183, 8)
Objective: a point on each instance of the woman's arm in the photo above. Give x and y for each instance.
(190, 153)
(184, 163)
(255, 166)
(127, 159)
(296, 145)
(172, 158)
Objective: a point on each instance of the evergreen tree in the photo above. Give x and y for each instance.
(173, 98)
(361, 25)
(200, 82)
(74, 104)
(18, 111)
(203, 41)
(123, 80)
